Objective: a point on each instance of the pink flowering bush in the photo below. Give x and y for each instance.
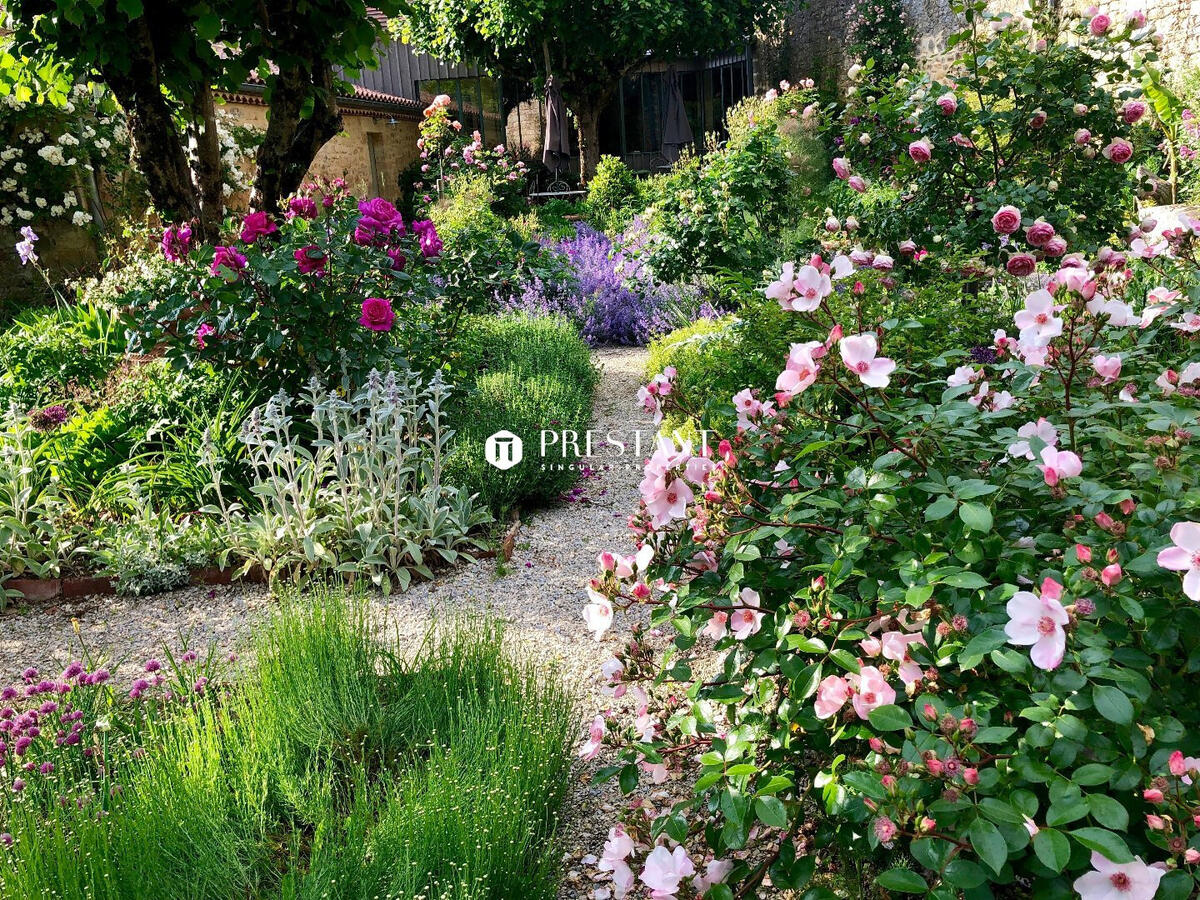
(954, 601)
(332, 288)
(1035, 116)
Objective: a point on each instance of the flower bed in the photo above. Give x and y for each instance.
(946, 593)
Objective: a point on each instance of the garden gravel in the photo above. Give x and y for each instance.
(539, 593)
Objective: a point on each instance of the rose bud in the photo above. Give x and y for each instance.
(1083, 553)
(971, 776)
(1152, 795)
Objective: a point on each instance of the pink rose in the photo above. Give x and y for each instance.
(1133, 111)
(302, 207)
(1099, 25)
(1039, 233)
(377, 314)
(176, 242)
(1038, 119)
(841, 167)
(1056, 246)
(1021, 264)
(1118, 151)
(1082, 136)
(1006, 220)
(858, 183)
(921, 151)
(948, 104)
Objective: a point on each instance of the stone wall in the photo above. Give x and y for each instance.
(812, 42)
(348, 155)
(63, 250)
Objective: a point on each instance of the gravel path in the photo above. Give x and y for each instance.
(540, 594)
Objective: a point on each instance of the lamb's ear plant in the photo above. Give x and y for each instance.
(354, 485)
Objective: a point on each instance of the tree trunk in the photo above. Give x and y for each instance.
(291, 142)
(587, 118)
(157, 141)
(207, 151)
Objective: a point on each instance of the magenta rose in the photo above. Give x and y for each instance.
(311, 260)
(921, 151)
(396, 255)
(1039, 233)
(377, 314)
(1099, 25)
(256, 225)
(1006, 220)
(302, 208)
(1119, 151)
(427, 237)
(227, 263)
(176, 242)
(1021, 264)
(1133, 111)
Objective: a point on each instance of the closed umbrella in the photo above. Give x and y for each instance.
(556, 149)
(677, 130)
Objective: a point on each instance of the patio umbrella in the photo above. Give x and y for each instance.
(677, 130)
(556, 148)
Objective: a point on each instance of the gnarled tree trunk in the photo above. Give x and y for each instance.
(292, 141)
(153, 131)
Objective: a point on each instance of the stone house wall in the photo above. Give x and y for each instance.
(811, 44)
(391, 140)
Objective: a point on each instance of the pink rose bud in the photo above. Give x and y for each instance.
(934, 765)
(1152, 795)
(1105, 521)
(876, 744)
(1128, 506)
(1111, 556)
(1083, 553)
(1191, 856)
(641, 590)
(971, 776)
(1111, 575)
(928, 824)
(1155, 823)
(608, 562)
(818, 583)
(929, 712)
(712, 496)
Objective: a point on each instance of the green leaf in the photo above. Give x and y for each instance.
(940, 508)
(987, 841)
(963, 873)
(976, 516)
(890, 718)
(1108, 812)
(1052, 848)
(1112, 703)
(1111, 845)
(771, 811)
(904, 881)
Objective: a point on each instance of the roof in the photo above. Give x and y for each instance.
(362, 100)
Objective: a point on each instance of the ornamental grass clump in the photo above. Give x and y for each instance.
(330, 764)
(957, 616)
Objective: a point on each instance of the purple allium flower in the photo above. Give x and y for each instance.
(153, 665)
(189, 656)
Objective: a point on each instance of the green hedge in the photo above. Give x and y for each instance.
(524, 375)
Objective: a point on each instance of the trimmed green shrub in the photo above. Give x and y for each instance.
(613, 195)
(532, 374)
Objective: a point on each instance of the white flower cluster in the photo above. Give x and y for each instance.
(23, 164)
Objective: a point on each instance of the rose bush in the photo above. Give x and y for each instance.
(332, 291)
(955, 617)
(1037, 117)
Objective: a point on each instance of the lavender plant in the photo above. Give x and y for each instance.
(611, 297)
